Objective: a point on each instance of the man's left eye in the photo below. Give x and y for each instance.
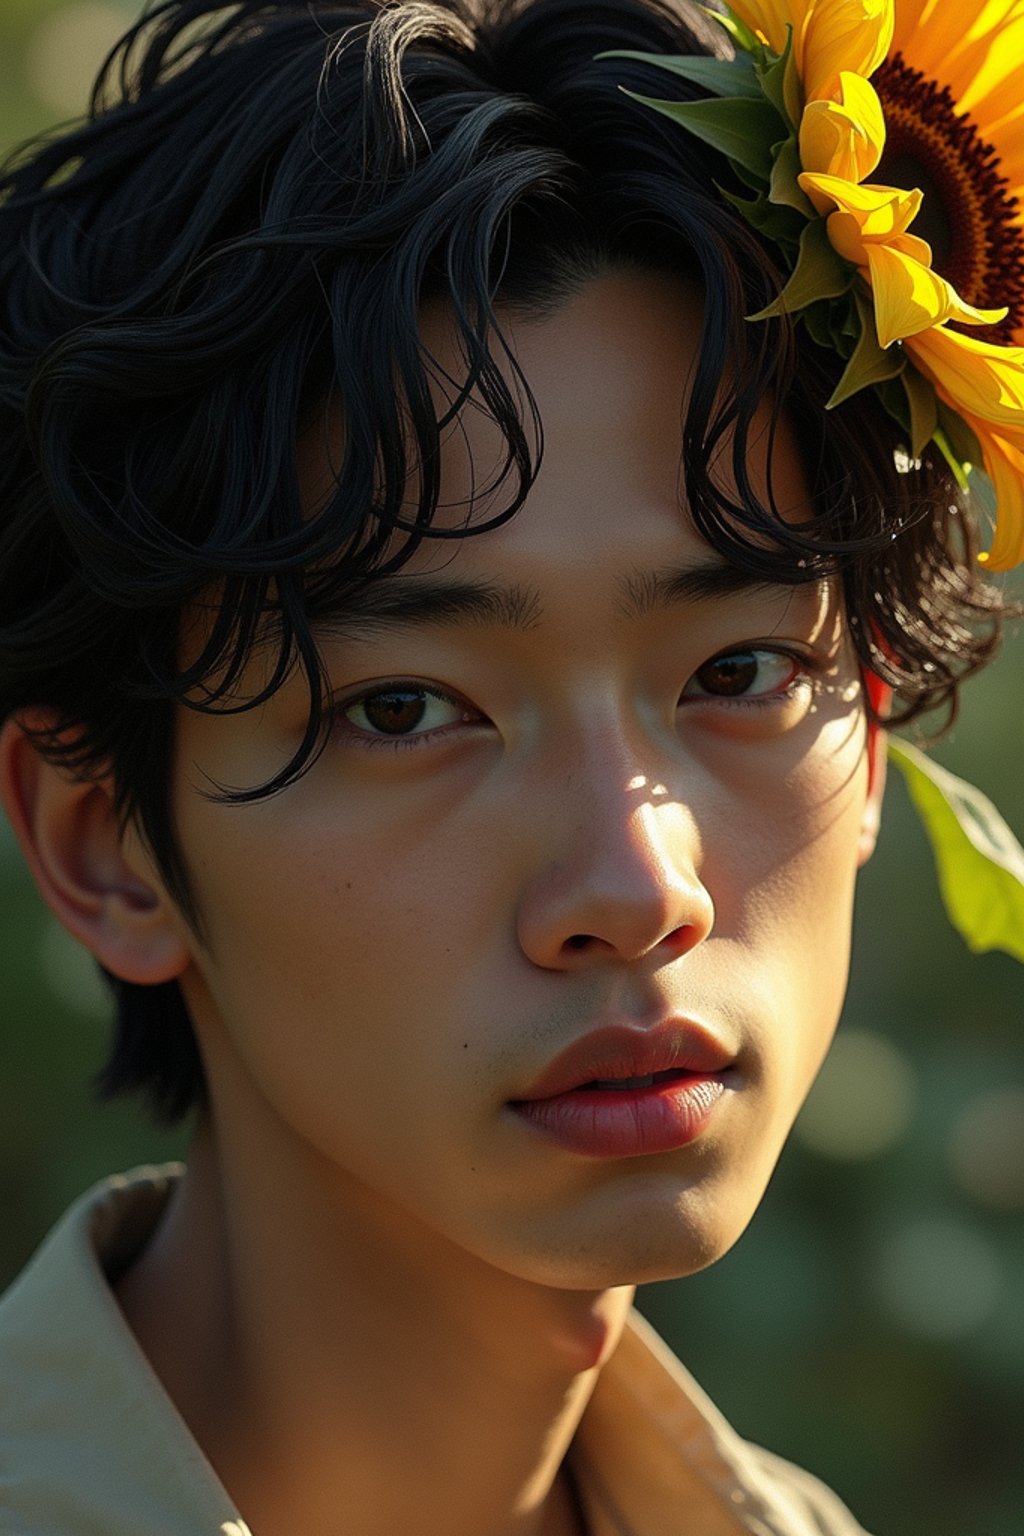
(754, 673)
(403, 710)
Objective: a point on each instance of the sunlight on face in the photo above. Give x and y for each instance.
(582, 778)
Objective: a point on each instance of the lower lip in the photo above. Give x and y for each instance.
(631, 1122)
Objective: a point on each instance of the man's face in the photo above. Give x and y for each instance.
(604, 803)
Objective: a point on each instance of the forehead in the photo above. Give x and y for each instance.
(604, 528)
(609, 372)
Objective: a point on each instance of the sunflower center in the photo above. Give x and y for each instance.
(968, 216)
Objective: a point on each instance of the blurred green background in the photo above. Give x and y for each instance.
(871, 1323)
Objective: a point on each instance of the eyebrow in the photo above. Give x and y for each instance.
(395, 602)
(644, 592)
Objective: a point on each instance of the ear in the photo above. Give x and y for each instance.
(99, 883)
(879, 696)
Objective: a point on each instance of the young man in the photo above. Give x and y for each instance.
(463, 794)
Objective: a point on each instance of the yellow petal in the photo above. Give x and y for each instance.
(969, 48)
(978, 378)
(1004, 464)
(910, 245)
(907, 22)
(1008, 141)
(985, 75)
(880, 212)
(967, 314)
(909, 297)
(769, 18)
(845, 235)
(843, 35)
(866, 215)
(844, 137)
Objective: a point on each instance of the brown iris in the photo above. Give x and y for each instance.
(395, 710)
(968, 216)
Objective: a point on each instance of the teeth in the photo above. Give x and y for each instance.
(626, 1082)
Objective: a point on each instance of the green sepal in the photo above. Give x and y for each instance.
(962, 439)
(820, 273)
(742, 129)
(893, 399)
(722, 77)
(780, 82)
(755, 184)
(959, 468)
(785, 188)
(771, 220)
(980, 862)
(870, 363)
(818, 320)
(924, 411)
(738, 30)
(848, 327)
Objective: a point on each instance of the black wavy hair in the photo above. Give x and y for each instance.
(246, 226)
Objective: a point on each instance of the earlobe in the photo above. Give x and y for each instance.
(88, 872)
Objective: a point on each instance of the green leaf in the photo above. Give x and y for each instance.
(980, 862)
(818, 320)
(924, 411)
(893, 398)
(776, 223)
(722, 77)
(756, 184)
(820, 273)
(742, 129)
(848, 328)
(738, 30)
(962, 438)
(785, 188)
(780, 82)
(870, 363)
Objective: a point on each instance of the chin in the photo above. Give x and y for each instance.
(638, 1245)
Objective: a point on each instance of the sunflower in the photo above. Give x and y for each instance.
(911, 144)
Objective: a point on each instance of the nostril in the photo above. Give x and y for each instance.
(577, 941)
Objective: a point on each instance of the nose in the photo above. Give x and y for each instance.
(620, 881)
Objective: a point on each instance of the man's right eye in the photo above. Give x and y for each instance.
(402, 713)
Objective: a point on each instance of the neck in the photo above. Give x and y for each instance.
(342, 1367)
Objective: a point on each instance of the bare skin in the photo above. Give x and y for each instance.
(380, 1299)
(368, 1444)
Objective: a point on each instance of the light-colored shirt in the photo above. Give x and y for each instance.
(91, 1444)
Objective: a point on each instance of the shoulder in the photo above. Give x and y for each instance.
(654, 1448)
(820, 1510)
(88, 1440)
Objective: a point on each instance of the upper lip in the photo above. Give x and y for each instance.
(632, 1050)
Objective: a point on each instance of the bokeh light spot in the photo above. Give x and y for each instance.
(986, 1149)
(863, 1100)
(70, 973)
(939, 1278)
(66, 50)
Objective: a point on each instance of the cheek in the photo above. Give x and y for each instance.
(787, 900)
(337, 959)
(790, 818)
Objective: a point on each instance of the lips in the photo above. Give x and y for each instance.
(613, 1056)
(625, 1092)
